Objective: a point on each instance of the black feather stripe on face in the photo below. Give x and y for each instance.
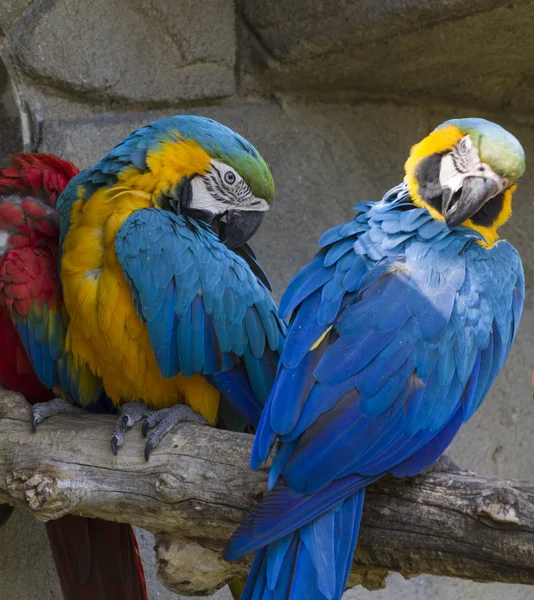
(217, 191)
(489, 213)
(427, 176)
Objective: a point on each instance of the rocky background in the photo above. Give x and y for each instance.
(333, 93)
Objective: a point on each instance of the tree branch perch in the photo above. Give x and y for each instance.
(197, 487)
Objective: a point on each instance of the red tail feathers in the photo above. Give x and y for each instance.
(96, 559)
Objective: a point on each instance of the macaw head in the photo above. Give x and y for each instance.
(465, 173)
(198, 167)
(29, 188)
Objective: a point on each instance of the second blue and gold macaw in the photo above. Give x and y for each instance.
(399, 326)
(165, 301)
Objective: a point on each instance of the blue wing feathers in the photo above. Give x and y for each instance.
(295, 510)
(256, 581)
(234, 385)
(337, 251)
(255, 332)
(294, 384)
(314, 561)
(419, 319)
(43, 336)
(350, 354)
(307, 330)
(321, 399)
(431, 451)
(333, 235)
(261, 373)
(202, 304)
(184, 338)
(197, 333)
(310, 279)
(372, 379)
(161, 327)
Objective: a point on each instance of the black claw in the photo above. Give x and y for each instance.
(148, 448)
(35, 422)
(114, 446)
(144, 429)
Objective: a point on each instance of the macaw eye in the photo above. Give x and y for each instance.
(229, 177)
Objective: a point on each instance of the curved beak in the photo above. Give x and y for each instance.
(461, 205)
(241, 225)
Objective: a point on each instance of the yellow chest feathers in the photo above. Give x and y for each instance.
(104, 327)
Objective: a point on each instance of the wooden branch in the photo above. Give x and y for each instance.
(197, 487)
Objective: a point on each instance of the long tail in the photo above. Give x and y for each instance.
(312, 563)
(96, 559)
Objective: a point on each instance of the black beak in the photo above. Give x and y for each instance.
(241, 225)
(461, 205)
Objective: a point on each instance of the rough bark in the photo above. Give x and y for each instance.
(197, 487)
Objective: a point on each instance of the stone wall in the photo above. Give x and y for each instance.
(333, 93)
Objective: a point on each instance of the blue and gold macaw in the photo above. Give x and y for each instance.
(166, 303)
(399, 326)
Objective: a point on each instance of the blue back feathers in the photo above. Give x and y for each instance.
(414, 321)
(422, 318)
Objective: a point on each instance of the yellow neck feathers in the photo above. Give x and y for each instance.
(168, 164)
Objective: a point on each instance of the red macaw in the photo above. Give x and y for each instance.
(95, 559)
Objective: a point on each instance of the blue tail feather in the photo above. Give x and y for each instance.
(284, 510)
(311, 563)
(347, 538)
(275, 559)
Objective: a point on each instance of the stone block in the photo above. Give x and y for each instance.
(476, 53)
(304, 29)
(10, 125)
(10, 11)
(129, 51)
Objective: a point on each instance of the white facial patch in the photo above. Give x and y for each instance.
(223, 189)
(202, 199)
(464, 161)
(449, 177)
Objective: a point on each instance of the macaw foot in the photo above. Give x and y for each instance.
(164, 420)
(130, 414)
(56, 406)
